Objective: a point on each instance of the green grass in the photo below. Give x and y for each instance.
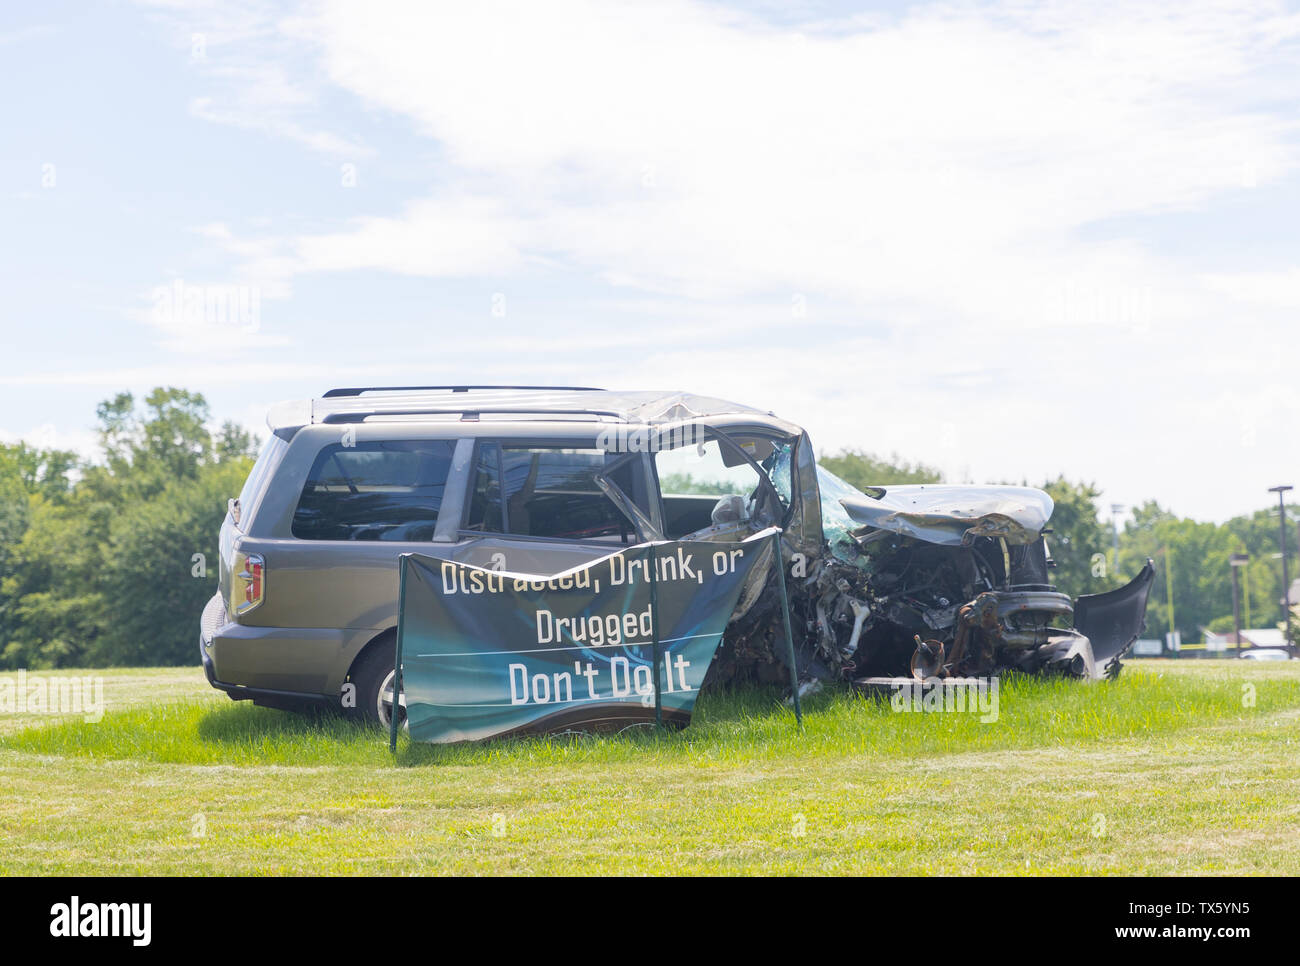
(728, 729)
(125, 688)
(1167, 770)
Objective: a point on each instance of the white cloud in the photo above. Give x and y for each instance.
(1280, 289)
(928, 176)
(253, 73)
(945, 161)
(255, 118)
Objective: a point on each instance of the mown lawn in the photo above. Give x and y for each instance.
(1190, 767)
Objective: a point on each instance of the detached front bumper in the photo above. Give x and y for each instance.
(1113, 621)
(1104, 628)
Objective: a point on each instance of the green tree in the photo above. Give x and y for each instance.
(104, 570)
(1197, 554)
(1256, 535)
(30, 479)
(863, 469)
(234, 443)
(53, 586)
(1080, 543)
(44, 471)
(1221, 624)
(168, 440)
(160, 569)
(682, 484)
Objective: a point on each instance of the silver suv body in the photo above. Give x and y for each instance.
(522, 479)
(922, 580)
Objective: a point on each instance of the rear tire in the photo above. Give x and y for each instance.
(373, 678)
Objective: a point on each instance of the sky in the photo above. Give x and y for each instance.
(1009, 240)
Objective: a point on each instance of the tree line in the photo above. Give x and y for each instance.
(110, 562)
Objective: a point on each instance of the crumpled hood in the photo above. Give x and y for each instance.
(954, 515)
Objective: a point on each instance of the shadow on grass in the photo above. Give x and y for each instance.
(243, 723)
(414, 754)
(714, 710)
(718, 715)
(743, 724)
(240, 732)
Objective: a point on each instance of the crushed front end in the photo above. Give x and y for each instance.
(947, 581)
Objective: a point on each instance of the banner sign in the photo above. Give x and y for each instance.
(487, 653)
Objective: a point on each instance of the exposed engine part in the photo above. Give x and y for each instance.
(979, 632)
(860, 613)
(927, 662)
(898, 617)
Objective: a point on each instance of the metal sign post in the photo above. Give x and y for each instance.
(654, 632)
(779, 564)
(397, 657)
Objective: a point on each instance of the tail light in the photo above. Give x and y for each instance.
(247, 582)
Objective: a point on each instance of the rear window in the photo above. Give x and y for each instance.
(266, 463)
(388, 490)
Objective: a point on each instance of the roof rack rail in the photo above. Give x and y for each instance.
(358, 390)
(467, 412)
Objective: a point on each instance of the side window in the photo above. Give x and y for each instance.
(705, 485)
(548, 491)
(385, 490)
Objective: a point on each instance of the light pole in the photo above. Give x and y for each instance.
(1245, 594)
(1236, 562)
(1169, 593)
(1281, 492)
(1115, 509)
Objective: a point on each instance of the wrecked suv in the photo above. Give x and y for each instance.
(907, 580)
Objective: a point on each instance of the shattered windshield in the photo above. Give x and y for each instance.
(836, 522)
(777, 467)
